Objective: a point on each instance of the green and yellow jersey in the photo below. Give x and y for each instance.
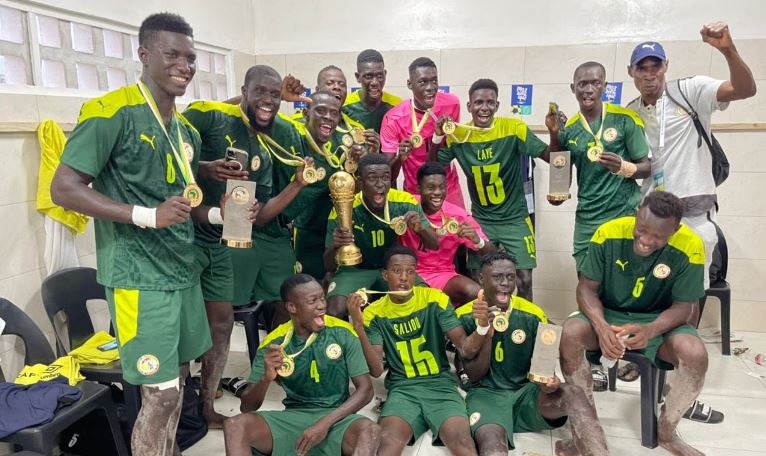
(357, 110)
(222, 125)
(372, 236)
(601, 195)
(120, 143)
(512, 350)
(322, 371)
(650, 284)
(412, 335)
(491, 161)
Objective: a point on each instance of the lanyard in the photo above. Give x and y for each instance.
(417, 126)
(332, 160)
(363, 292)
(470, 129)
(585, 125)
(387, 217)
(289, 337)
(663, 121)
(184, 165)
(294, 160)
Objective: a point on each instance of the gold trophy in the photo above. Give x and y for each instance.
(546, 353)
(341, 186)
(237, 229)
(560, 175)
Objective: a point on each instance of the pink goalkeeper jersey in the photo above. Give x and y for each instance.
(397, 126)
(441, 260)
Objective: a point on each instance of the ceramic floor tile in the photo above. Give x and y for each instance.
(211, 444)
(742, 428)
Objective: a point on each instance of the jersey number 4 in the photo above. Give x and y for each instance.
(493, 192)
(414, 359)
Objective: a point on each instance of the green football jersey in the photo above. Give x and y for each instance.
(322, 371)
(644, 284)
(601, 195)
(372, 236)
(512, 350)
(355, 108)
(491, 162)
(412, 335)
(222, 125)
(120, 143)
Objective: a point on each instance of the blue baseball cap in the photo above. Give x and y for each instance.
(647, 49)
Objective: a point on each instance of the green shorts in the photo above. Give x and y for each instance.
(216, 274)
(309, 249)
(514, 411)
(286, 427)
(425, 405)
(516, 237)
(157, 331)
(619, 318)
(260, 270)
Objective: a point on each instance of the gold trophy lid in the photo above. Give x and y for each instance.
(341, 182)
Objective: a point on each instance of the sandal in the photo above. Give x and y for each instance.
(600, 380)
(234, 385)
(703, 413)
(628, 372)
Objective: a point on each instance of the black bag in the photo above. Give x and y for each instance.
(192, 426)
(720, 261)
(720, 162)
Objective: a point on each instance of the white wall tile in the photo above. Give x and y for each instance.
(464, 66)
(21, 245)
(751, 52)
(398, 62)
(739, 195)
(115, 78)
(219, 63)
(13, 70)
(306, 67)
(62, 109)
(82, 38)
(205, 90)
(685, 58)
(277, 61)
(87, 76)
(743, 149)
(745, 277)
(49, 33)
(11, 28)
(134, 47)
(221, 92)
(113, 44)
(203, 61)
(740, 232)
(556, 64)
(54, 74)
(18, 176)
(749, 110)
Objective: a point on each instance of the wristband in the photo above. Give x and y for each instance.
(437, 139)
(144, 217)
(627, 169)
(482, 330)
(481, 244)
(214, 216)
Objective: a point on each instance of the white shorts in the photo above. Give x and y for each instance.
(702, 226)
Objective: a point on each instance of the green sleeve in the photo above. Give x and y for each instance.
(257, 369)
(532, 146)
(202, 121)
(332, 223)
(91, 144)
(689, 283)
(373, 332)
(446, 154)
(447, 318)
(635, 140)
(469, 324)
(593, 267)
(356, 364)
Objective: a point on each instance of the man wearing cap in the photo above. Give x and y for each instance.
(681, 161)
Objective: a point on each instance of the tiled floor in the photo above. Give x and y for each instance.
(728, 388)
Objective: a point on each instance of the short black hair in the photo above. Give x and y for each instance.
(369, 56)
(328, 67)
(371, 160)
(321, 93)
(421, 62)
(499, 255)
(664, 205)
(286, 290)
(398, 250)
(483, 84)
(585, 65)
(429, 169)
(259, 71)
(162, 22)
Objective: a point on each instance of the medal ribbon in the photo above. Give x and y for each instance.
(471, 128)
(387, 217)
(294, 160)
(585, 125)
(416, 127)
(289, 337)
(184, 165)
(332, 160)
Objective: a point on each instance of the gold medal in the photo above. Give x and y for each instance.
(441, 231)
(193, 193)
(310, 174)
(416, 140)
(240, 195)
(357, 134)
(363, 293)
(452, 226)
(287, 368)
(500, 323)
(347, 140)
(594, 153)
(399, 226)
(449, 127)
(548, 336)
(350, 166)
(321, 174)
(255, 163)
(559, 162)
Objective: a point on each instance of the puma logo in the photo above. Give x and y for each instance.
(143, 137)
(231, 141)
(621, 264)
(103, 106)
(647, 46)
(572, 141)
(359, 227)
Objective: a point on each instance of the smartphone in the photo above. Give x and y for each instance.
(553, 106)
(237, 155)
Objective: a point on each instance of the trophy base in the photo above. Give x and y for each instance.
(237, 244)
(348, 256)
(539, 378)
(559, 196)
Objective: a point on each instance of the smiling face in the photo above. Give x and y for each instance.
(323, 117)
(433, 191)
(334, 81)
(483, 105)
(261, 99)
(376, 181)
(372, 77)
(169, 61)
(588, 86)
(307, 306)
(498, 280)
(651, 233)
(424, 83)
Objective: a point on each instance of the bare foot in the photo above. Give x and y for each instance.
(566, 448)
(214, 420)
(678, 447)
(218, 393)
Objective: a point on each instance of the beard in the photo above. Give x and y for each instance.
(251, 118)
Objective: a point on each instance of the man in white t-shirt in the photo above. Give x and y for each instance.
(681, 160)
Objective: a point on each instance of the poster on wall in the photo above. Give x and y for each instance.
(612, 93)
(521, 99)
(355, 89)
(300, 105)
(444, 89)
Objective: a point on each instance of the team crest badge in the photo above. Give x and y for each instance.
(661, 271)
(518, 336)
(255, 163)
(475, 417)
(610, 135)
(681, 111)
(148, 365)
(189, 151)
(333, 351)
(298, 267)
(331, 287)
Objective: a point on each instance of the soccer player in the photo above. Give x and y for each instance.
(320, 414)
(609, 149)
(397, 136)
(490, 160)
(376, 208)
(639, 282)
(141, 155)
(369, 104)
(408, 327)
(437, 267)
(501, 400)
(220, 126)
